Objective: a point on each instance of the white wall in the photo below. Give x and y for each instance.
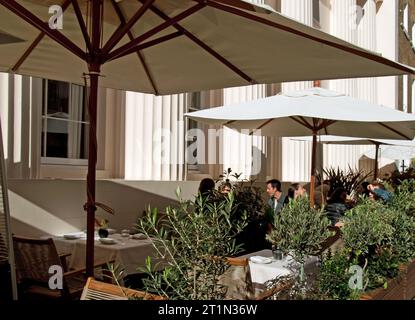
(387, 39)
(52, 207)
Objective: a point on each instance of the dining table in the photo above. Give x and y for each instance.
(265, 267)
(129, 253)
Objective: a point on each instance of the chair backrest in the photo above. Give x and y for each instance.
(97, 290)
(3, 250)
(33, 258)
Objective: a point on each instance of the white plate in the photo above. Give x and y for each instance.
(108, 241)
(261, 260)
(111, 231)
(139, 236)
(74, 236)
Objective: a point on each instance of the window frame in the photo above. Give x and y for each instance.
(44, 160)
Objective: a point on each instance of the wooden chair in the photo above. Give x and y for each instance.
(33, 258)
(97, 290)
(242, 287)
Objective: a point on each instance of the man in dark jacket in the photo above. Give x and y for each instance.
(277, 197)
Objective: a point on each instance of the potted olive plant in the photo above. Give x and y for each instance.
(299, 231)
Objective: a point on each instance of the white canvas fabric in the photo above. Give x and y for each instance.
(356, 141)
(274, 116)
(392, 153)
(274, 49)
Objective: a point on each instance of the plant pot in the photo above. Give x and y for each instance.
(401, 287)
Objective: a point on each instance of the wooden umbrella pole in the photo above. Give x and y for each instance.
(313, 168)
(376, 161)
(94, 66)
(91, 176)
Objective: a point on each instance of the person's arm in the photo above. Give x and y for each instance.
(383, 194)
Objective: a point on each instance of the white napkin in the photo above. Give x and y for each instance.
(259, 259)
(139, 236)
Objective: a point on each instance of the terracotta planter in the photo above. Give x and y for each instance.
(400, 288)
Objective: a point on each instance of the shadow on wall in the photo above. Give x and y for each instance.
(53, 207)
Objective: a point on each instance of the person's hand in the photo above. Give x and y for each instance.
(339, 224)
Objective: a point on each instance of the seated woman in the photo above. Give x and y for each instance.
(336, 205)
(296, 190)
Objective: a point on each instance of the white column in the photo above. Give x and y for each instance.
(344, 16)
(239, 149)
(302, 11)
(153, 137)
(367, 87)
(296, 155)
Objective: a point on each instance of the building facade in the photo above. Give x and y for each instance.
(144, 137)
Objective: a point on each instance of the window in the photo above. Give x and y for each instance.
(413, 97)
(192, 127)
(65, 124)
(316, 11)
(405, 93)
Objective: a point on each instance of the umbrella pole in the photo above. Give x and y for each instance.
(94, 66)
(313, 168)
(376, 161)
(91, 176)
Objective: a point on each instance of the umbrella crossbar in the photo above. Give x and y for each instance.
(32, 19)
(130, 47)
(125, 27)
(35, 42)
(201, 44)
(139, 54)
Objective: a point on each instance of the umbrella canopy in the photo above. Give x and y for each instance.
(180, 46)
(170, 46)
(313, 111)
(393, 153)
(374, 154)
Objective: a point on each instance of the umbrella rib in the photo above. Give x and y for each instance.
(133, 44)
(34, 44)
(394, 130)
(82, 25)
(303, 122)
(325, 124)
(131, 37)
(148, 44)
(33, 20)
(203, 45)
(123, 29)
(261, 126)
(230, 8)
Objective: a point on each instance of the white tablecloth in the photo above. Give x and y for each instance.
(260, 273)
(128, 253)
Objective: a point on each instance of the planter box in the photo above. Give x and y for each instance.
(400, 288)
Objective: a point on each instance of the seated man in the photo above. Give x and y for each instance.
(277, 197)
(336, 205)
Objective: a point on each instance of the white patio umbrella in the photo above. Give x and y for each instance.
(170, 46)
(393, 152)
(317, 111)
(405, 149)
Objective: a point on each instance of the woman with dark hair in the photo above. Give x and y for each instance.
(336, 205)
(206, 186)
